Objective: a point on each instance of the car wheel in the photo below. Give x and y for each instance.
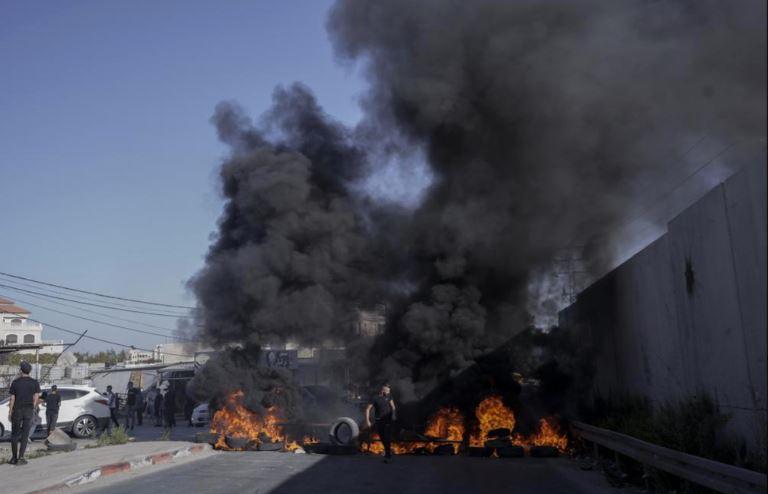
(84, 426)
(2, 430)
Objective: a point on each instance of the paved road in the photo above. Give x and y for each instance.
(284, 473)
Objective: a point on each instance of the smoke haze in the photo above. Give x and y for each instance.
(543, 126)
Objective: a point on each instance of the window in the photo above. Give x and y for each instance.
(29, 338)
(11, 339)
(16, 322)
(68, 394)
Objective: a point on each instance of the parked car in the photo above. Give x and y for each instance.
(201, 415)
(83, 412)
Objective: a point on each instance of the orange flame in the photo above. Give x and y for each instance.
(235, 420)
(446, 424)
(549, 435)
(491, 414)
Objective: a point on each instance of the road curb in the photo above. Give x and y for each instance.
(123, 466)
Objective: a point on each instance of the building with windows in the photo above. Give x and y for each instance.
(370, 322)
(17, 329)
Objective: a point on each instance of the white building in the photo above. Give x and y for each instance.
(173, 353)
(140, 356)
(17, 329)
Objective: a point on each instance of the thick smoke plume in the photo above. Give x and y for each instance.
(544, 124)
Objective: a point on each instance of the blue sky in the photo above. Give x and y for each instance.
(107, 156)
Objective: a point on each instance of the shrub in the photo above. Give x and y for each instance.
(115, 436)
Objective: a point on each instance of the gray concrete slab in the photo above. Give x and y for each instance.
(280, 473)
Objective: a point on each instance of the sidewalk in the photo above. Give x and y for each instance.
(58, 471)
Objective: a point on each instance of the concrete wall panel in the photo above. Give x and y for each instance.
(687, 314)
(745, 201)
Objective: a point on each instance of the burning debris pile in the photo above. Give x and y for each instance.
(239, 428)
(494, 429)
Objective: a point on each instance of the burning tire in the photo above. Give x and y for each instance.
(344, 432)
(317, 448)
(269, 446)
(237, 443)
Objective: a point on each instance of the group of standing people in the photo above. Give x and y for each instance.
(158, 403)
(135, 406)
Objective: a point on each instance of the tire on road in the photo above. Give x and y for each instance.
(344, 432)
(85, 426)
(278, 446)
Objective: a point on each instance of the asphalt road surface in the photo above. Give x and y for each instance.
(284, 473)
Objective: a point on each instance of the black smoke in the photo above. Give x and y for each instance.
(545, 124)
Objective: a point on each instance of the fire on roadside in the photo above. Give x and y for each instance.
(234, 420)
(491, 414)
(446, 426)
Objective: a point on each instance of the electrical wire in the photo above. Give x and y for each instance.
(123, 345)
(114, 297)
(16, 283)
(26, 302)
(96, 305)
(101, 314)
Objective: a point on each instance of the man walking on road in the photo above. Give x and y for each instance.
(52, 405)
(112, 403)
(384, 413)
(130, 406)
(25, 393)
(140, 406)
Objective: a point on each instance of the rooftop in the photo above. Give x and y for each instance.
(8, 307)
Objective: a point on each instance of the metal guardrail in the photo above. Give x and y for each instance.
(708, 473)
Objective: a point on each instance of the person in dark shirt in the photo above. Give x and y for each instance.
(25, 393)
(130, 406)
(141, 405)
(113, 407)
(158, 409)
(169, 411)
(52, 405)
(384, 413)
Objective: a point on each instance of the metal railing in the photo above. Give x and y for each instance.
(708, 473)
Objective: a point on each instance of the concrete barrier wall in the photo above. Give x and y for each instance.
(688, 313)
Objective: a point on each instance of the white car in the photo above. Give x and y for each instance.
(200, 415)
(83, 411)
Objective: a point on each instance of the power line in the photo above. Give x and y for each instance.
(61, 293)
(133, 347)
(96, 305)
(44, 296)
(97, 293)
(109, 316)
(103, 322)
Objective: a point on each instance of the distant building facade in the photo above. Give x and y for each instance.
(371, 323)
(17, 329)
